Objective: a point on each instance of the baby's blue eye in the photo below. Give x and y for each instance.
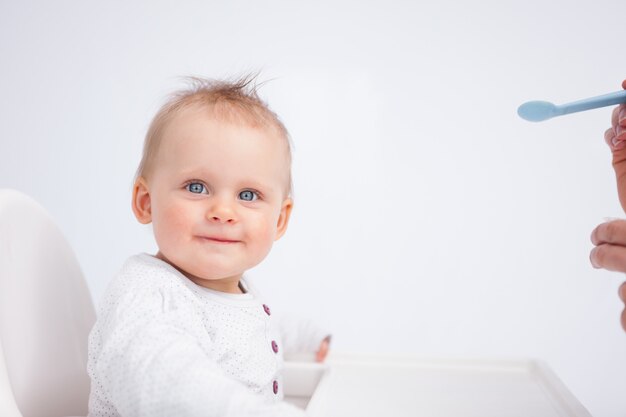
(195, 187)
(248, 195)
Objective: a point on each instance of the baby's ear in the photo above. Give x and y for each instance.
(283, 218)
(141, 201)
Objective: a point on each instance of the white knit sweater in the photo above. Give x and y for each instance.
(164, 346)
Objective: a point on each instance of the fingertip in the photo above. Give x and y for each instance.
(621, 115)
(621, 291)
(609, 138)
(618, 145)
(624, 84)
(593, 237)
(591, 258)
(322, 352)
(620, 132)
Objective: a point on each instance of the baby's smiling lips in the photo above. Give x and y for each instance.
(217, 239)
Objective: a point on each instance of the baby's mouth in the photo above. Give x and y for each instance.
(217, 239)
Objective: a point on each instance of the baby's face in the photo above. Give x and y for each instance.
(217, 197)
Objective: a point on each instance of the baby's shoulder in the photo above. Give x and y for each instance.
(146, 295)
(143, 270)
(147, 282)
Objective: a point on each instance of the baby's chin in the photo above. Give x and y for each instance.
(214, 278)
(210, 273)
(218, 272)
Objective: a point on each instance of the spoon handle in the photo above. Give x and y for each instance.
(610, 99)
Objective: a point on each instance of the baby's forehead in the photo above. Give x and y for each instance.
(199, 131)
(195, 133)
(227, 113)
(221, 116)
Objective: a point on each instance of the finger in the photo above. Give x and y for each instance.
(613, 232)
(624, 84)
(609, 257)
(621, 115)
(620, 133)
(614, 141)
(609, 135)
(619, 166)
(620, 128)
(322, 352)
(622, 292)
(618, 116)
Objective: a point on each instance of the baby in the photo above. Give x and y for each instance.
(183, 333)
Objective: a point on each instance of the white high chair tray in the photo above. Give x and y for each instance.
(366, 385)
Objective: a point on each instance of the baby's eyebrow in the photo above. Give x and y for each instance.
(256, 184)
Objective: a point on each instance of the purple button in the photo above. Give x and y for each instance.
(267, 309)
(275, 387)
(274, 346)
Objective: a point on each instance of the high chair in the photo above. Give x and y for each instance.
(46, 314)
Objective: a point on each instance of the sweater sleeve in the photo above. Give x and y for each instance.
(151, 362)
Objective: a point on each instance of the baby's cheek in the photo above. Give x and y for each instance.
(177, 216)
(172, 223)
(265, 233)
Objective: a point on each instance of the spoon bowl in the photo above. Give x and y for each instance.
(537, 111)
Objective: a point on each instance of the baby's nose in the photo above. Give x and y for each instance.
(221, 219)
(221, 213)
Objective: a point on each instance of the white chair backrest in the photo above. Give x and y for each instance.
(46, 314)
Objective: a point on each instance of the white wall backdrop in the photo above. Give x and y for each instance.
(429, 218)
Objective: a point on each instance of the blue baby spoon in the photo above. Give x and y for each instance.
(537, 111)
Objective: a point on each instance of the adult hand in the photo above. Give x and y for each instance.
(610, 252)
(615, 137)
(610, 238)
